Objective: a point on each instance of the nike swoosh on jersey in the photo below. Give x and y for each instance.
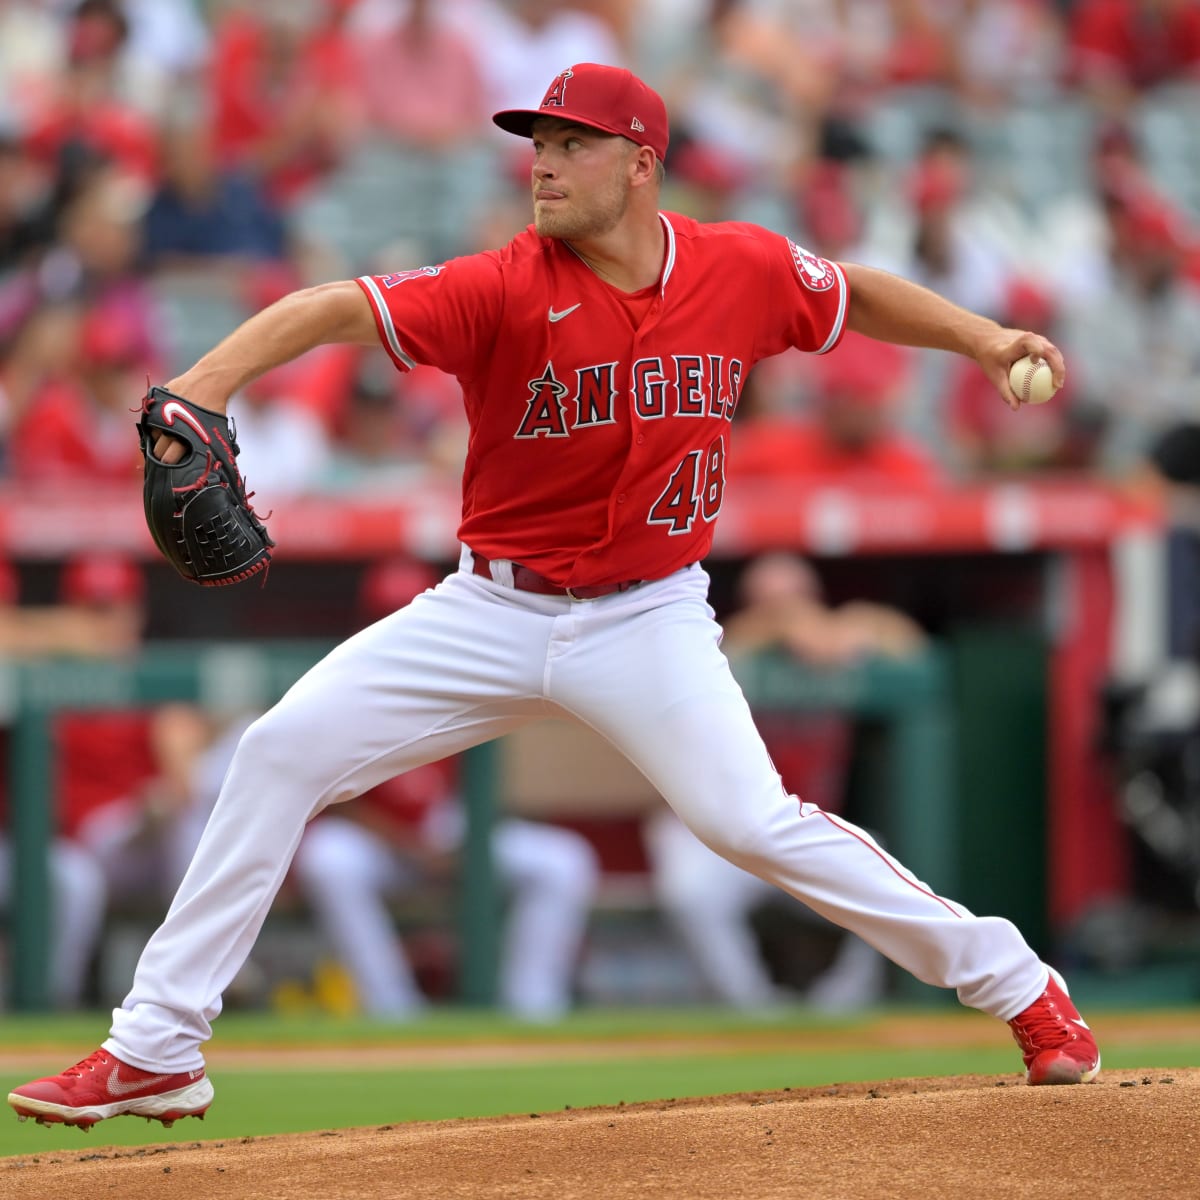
(566, 312)
(118, 1087)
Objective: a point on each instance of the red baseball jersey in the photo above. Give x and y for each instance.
(599, 420)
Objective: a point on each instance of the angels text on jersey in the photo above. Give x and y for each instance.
(681, 385)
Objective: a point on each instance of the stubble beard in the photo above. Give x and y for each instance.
(573, 225)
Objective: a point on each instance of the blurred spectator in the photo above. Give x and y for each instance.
(31, 631)
(317, 381)
(77, 903)
(280, 73)
(830, 214)
(988, 438)
(752, 96)
(1172, 470)
(117, 761)
(959, 244)
(831, 218)
(26, 214)
(365, 453)
(1071, 243)
(77, 425)
(711, 902)
(704, 180)
(1008, 52)
(420, 81)
(150, 48)
(396, 430)
(99, 232)
(1122, 47)
(952, 251)
(662, 39)
(515, 39)
(144, 837)
(95, 256)
(1134, 346)
(88, 114)
(105, 753)
(921, 50)
(831, 60)
(127, 778)
(76, 881)
(284, 445)
(82, 242)
(506, 214)
(850, 438)
(169, 44)
(204, 215)
(782, 606)
(30, 56)
(420, 99)
(34, 356)
(403, 835)
(111, 587)
(424, 76)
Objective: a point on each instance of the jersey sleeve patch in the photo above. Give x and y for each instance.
(816, 273)
(397, 277)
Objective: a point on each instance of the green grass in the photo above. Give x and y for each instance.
(257, 1102)
(448, 1025)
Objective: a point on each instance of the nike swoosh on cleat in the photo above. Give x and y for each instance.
(118, 1087)
(566, 312)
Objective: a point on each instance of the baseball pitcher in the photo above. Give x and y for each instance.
(602, 354)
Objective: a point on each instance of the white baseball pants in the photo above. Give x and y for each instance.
(473, 659)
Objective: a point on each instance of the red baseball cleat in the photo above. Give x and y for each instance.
(102, 1086)
(1055, 1040)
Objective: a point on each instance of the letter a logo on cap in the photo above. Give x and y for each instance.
(554, 96)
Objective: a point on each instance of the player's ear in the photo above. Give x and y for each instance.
(643, 165)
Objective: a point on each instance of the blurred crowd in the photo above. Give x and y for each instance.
(169, 166)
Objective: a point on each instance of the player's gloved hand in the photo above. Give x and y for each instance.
(197, 508)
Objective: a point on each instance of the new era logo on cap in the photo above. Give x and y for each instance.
(602, 97)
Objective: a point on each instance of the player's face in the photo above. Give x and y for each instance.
(580, 180)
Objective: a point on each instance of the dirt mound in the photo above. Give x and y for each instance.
(1130, 1133)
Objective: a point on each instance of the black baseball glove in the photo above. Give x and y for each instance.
(197, 508)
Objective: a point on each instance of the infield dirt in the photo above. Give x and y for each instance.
(1132, 1133)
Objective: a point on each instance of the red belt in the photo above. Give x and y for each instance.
(525, 579)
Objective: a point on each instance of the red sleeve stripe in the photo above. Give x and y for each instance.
(384, 320)
(840, 320)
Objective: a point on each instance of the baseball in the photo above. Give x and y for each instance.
(1032, 380)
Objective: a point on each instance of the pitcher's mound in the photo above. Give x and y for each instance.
(1132, 1133)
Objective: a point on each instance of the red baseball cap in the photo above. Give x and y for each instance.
(601, 97)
